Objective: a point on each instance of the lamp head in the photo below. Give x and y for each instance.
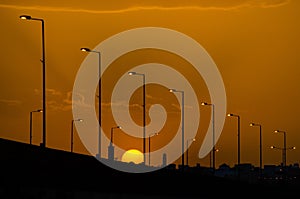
(77, 120)
(204, 103)
(153, 134)
(279, 131)
(27, 17)
(131, 73)
(85, 49)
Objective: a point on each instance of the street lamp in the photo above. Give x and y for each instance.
(149, 149)
(111, 133)
(72, 134)
(144, 111)
(239, 145)
(182, 123)
(283, 151)
(213, 126)
(260, 146)
(43, 60)
(30, 126)
(284, 146)
(99, 97)
(187, 149)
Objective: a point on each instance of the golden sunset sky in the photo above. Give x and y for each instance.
(254, 43)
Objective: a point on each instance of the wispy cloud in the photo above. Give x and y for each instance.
(76, 99)
(53, 92)
(62, 101)
(150, 97)
(10, 102)
(121, 6)
(49, 91)
(122, 105)
(58, 106)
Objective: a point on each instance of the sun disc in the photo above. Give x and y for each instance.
(133, 155)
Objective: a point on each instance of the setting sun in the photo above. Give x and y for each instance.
(133, 155)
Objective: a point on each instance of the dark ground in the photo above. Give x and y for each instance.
(29, 171)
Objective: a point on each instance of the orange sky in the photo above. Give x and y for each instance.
(255, 45)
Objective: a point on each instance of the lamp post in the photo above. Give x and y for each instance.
(284, 146)
(72, 134)
(111, 133)
(30, 126)
(99, 97)
(182, 124)
(260, 147)
(111, 148)
(239, 142)
(149, 148)
(187, 150)
(283, 151)
(213, 133)
(144, 111)
(43, 60)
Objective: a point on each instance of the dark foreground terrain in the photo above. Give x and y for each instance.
(29, 171)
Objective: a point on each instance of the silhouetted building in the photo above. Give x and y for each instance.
(224, 170)
(111, 152)
(164, 160)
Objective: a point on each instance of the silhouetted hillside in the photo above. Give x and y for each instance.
(29, 171)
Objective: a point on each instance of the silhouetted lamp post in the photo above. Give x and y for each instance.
(239, 142)
(144, 111)
(187, 149)
(111, 133)
(30, 126)
(111, 148)
(43, 60)
(283, 151)
(149, 148)
(260, 147)
(182, 124)
(72, 134)
(284, 146)
(213, 133)
(99, 97)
